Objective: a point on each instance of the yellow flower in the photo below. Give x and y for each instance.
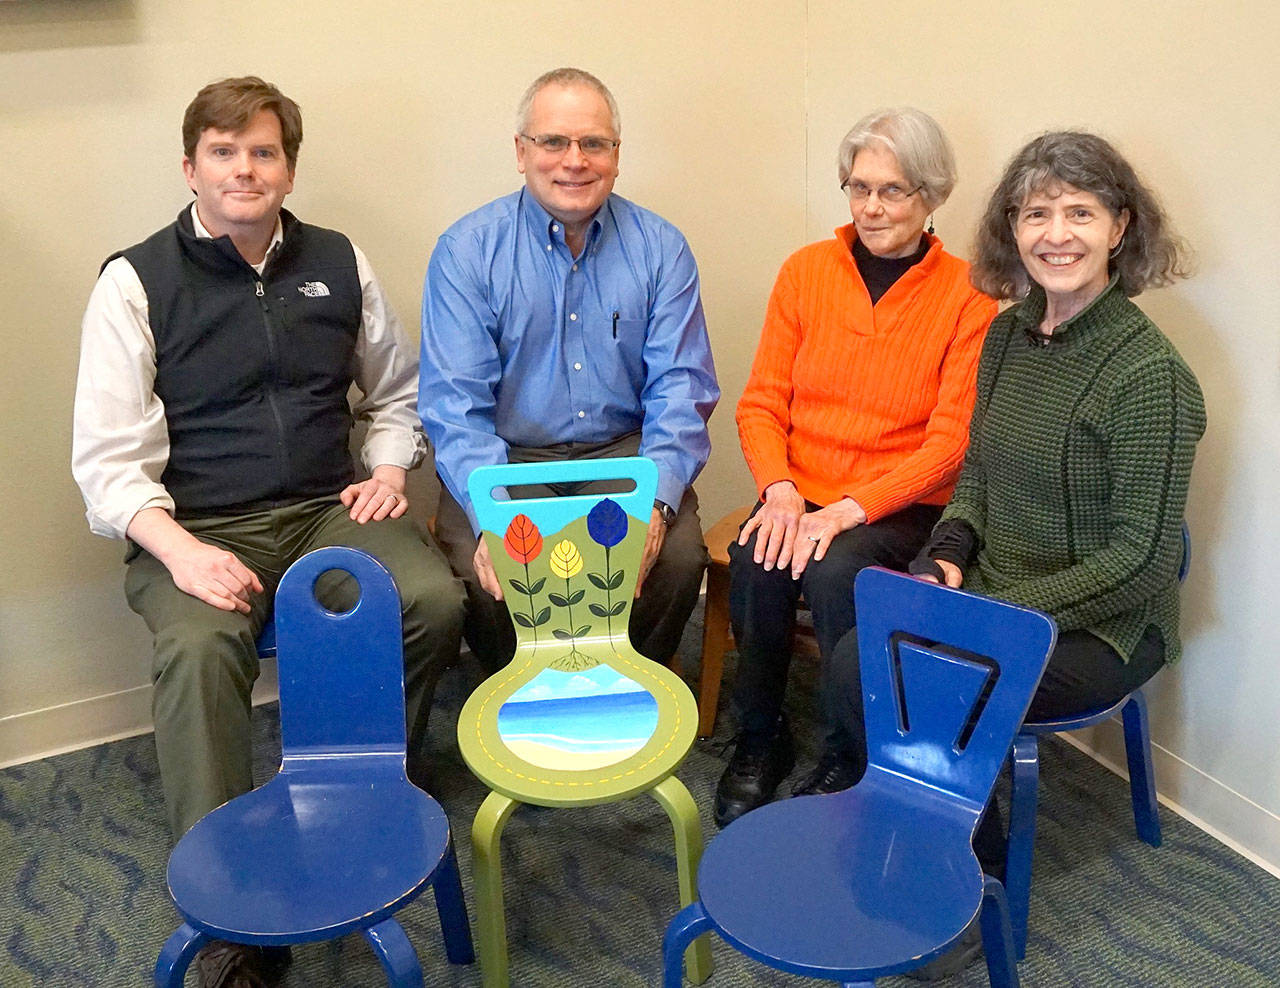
(566, 561)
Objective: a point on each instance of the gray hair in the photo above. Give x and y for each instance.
(924, 154)
(566, 77)
(1149, 255)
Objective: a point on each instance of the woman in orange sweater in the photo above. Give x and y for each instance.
(854, 424)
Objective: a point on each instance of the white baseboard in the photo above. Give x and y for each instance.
(57, 730)
(1217, 809)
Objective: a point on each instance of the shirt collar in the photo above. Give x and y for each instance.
(1031, 310)
(545, 225)
(277, 236)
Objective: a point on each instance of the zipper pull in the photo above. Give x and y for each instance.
(258, 289)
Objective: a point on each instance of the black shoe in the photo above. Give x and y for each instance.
(835, 773)
(964, 953)
(222, 964)
(754, 771)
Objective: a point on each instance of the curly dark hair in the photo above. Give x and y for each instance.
(1149, 256)
(230, 104)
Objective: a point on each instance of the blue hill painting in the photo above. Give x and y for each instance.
(578, 720)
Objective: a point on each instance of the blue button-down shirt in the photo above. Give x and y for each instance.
(524, 345)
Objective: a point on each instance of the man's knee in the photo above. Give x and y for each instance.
(191, 658)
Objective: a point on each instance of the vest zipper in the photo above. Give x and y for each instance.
(274, 362)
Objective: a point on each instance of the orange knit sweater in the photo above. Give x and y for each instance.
(872, 403)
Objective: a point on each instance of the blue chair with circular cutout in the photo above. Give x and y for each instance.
(339, 840)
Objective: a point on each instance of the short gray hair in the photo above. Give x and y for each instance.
(924, 154)
(566, 77)
(1149, 255)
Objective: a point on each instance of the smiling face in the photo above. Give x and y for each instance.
(887, 229)
(1065, 236)
(240, 179)
(569, 185)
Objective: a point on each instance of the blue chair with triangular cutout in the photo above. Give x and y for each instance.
(882, 878)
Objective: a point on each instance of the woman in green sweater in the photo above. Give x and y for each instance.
(1073, 488)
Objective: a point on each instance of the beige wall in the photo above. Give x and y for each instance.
(731, 118)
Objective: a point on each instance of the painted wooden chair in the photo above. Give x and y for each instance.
(578, 717)
(882, 878)
(339, 840)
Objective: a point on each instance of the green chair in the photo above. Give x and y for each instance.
(578, 717)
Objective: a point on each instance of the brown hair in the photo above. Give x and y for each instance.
(230, 104)
(1150, 254)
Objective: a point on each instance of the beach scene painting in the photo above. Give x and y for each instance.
(576, 720)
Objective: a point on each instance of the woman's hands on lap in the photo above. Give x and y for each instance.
(818, 528)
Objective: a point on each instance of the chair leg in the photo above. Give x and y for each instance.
(997, 936)
(452, 909)
(1142, 776)
(683, 811)
(715, 637)
(486, 863)
(1022, 834)
(689, 923)
(176, 956)
(396, 954)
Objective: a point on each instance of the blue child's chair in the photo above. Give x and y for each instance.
(882, 878)
(1024, 794)
(340, 839)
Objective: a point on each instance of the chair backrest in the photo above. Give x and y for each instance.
(578, 716)
(568, 565)
(341, 674)
(947, 677)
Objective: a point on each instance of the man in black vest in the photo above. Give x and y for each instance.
(212, 424)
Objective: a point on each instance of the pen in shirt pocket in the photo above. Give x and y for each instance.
(615, 324)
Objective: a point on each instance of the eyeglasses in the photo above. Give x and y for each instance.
(895, 194)
(592, 147)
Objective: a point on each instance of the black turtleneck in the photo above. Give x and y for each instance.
(880, 273)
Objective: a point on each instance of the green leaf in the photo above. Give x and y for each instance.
(598, 610)
(543, 617)
(576, 596)
(558, 599)
(618, 608)
(563, 635)
(582, 631)
(519, 587)
(597, 581)
(536, 586)
(522, 619)
(615, 581)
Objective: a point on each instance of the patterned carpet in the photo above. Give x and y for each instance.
(83, 847)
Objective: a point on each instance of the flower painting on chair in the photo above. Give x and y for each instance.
(578, 712)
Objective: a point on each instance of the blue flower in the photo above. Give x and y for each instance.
(607, 523)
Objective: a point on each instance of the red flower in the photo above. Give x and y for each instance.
(523, 541)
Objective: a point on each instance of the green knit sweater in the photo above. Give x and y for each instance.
(1076, 476)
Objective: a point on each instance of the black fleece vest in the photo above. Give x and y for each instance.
(253, 371)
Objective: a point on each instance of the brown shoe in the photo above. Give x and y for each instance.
(222, 964)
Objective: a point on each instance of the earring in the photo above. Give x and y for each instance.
(1115, 251)
(930, 230)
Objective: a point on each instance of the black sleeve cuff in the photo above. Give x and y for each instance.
(954, 541)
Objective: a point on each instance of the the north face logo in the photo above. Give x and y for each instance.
(314, 289)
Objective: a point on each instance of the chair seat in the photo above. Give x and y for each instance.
(308, 857)
(848, 889)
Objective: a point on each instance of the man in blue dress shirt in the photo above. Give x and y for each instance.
(564, 322)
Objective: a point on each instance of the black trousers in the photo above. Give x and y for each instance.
(1084, 673)
(762, 606)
